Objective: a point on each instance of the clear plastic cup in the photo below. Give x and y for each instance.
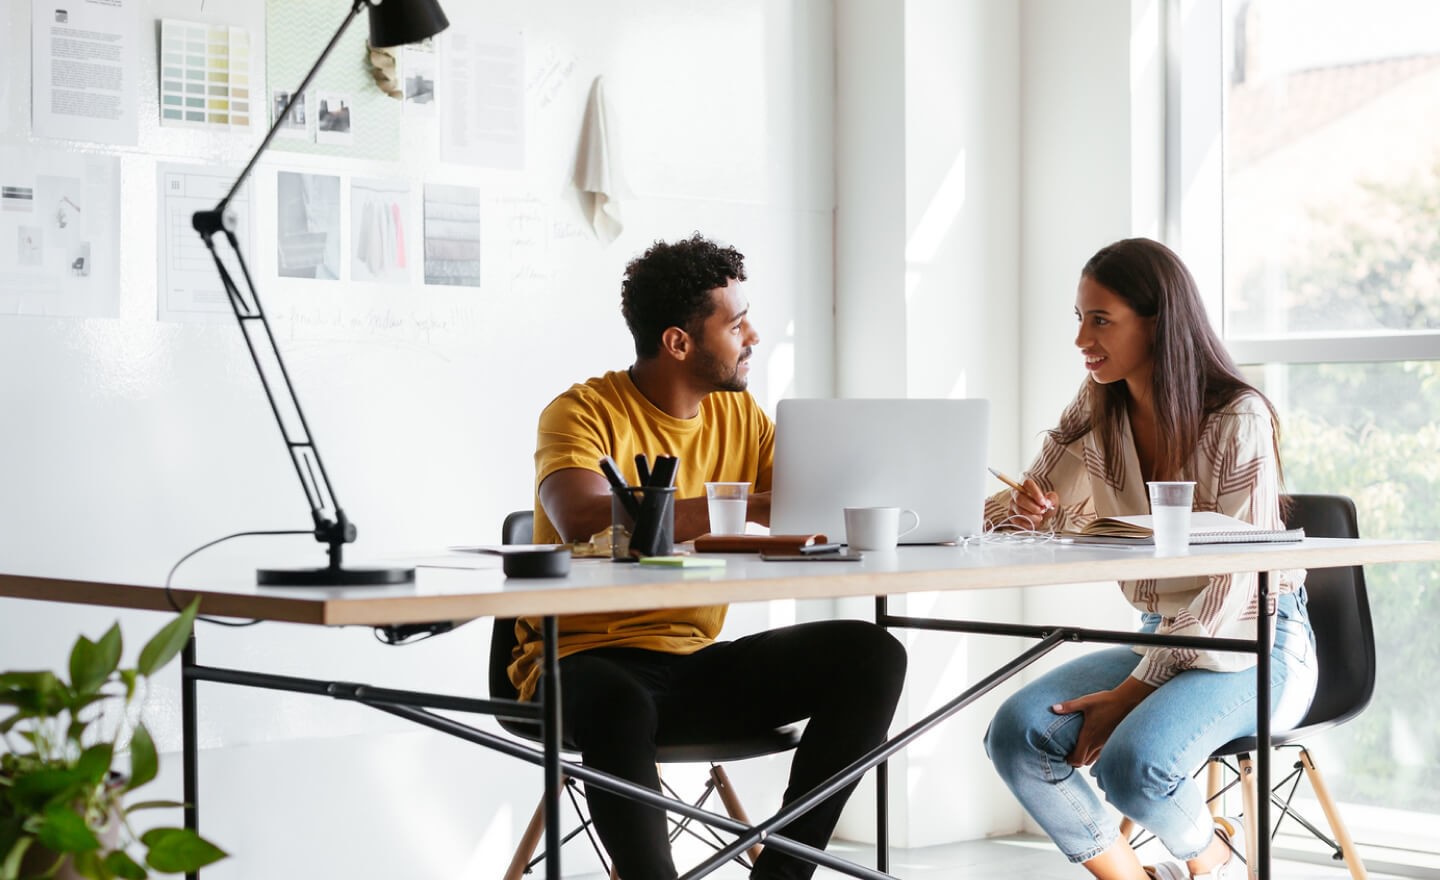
(727, 504)
(1170, 505)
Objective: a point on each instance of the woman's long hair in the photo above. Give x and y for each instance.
(1193, 375)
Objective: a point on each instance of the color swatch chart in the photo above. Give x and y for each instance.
(204, 75)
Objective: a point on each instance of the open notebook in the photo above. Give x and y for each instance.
(1206, 527)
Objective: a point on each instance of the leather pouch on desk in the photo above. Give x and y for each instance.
(755, 543)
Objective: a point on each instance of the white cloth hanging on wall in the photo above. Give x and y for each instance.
(598, 173)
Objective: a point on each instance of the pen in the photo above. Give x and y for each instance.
(1006, 480)
(618, 484)
(1014, 485)
(663, 473)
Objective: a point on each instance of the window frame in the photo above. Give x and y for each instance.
(1194, 201)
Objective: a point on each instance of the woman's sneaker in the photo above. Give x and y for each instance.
(1167, 871)
(1232, 831)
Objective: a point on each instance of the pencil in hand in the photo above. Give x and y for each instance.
(1006, 480)
(1018, 487)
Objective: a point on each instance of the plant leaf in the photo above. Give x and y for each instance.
(121, 865)
(36, 679)
(168, 641)
(144, 763)
(65, 831)
(88, 864)
(34, 790)
(37, 692)
(94, 763)
(179, 850)
(129, 676)
(76, 731)
(153, 805)
(92, 662)
(10, 868)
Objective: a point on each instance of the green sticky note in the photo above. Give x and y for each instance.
(684, 561)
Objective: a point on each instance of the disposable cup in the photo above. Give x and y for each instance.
(727, 504)
(1170, 505)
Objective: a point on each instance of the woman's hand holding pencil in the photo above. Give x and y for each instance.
(1028, 502)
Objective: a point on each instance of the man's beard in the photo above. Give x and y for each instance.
(723, 376)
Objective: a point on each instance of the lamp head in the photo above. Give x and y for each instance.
(398, 22)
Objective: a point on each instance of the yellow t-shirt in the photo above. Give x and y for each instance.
(731, 440)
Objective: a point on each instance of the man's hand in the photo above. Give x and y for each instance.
(1103, 712)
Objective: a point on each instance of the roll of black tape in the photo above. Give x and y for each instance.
(547, 563)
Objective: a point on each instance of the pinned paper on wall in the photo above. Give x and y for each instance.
(482, 116)
(59, 233)
(380, 231)
(417, 77)
(189, 284)
(334, 118)
(297, 120)
(307, 225)
(205, 75)
(84, 69)
(452, 235)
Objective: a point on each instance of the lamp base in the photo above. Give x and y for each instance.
(333, 577)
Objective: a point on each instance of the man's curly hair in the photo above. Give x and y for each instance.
(669, 286)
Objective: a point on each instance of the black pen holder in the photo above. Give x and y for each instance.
(643, 522)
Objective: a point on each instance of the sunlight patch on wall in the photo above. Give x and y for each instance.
(939, 215)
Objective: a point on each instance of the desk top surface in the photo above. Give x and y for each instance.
(461, 586)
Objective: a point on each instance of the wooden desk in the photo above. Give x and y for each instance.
(599, 585)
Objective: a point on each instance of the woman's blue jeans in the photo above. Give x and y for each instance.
(1145, 768)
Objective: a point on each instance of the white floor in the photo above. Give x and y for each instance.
(1007, 858)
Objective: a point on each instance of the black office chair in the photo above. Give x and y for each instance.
(519, 529)
(1345, 648)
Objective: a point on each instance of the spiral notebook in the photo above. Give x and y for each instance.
(1206, 527)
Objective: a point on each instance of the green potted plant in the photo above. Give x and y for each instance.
(63, 810)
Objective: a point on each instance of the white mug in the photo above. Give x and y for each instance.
(876, 528)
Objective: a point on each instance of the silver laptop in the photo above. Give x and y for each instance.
(927, 455)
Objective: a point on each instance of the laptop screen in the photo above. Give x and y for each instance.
(925, 455)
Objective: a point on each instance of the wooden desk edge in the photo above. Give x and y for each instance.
(150, 598)
(582, 598)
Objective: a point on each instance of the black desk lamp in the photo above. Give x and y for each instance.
(392, 23)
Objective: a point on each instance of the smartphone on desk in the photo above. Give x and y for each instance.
(847, 556)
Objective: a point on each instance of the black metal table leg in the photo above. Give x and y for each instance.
(882, 775)
(189, 742)
(551, 726)
(1262, 726)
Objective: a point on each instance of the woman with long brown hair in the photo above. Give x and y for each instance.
(1163, 401)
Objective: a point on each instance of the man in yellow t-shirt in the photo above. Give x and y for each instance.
(635, 679)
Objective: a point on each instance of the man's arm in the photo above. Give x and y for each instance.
(578, 504)
(758, 510)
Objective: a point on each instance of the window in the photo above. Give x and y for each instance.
(1327, 236)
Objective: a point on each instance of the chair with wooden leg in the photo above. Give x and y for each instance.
(518, 529)
(1345, 648)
